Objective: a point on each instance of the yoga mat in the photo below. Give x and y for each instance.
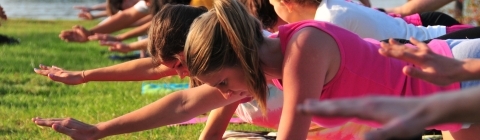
(162, 88)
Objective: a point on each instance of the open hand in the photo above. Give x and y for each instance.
(433, 68)
(60, 75)
(73, 128)
(76, 34)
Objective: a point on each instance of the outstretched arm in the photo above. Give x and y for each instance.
(117, 46)
(418, 6)
(433, 68)
(402, 117)
(116, 22)
(173, 108)
(141, 30)
(135, 70)
(217, 122)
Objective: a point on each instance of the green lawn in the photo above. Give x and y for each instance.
(24, 94)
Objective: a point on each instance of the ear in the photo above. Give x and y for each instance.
(287, 5)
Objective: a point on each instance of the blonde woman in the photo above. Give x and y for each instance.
(310, 59)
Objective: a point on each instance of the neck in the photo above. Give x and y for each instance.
(271, 56)
(305, 12)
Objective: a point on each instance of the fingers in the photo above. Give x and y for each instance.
(64, 130)
(421, 45)
(402, 52)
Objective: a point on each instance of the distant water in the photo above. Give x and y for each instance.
(62, 9)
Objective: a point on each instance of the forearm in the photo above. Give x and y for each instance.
(418, 6)
(470, 71)
(165, 111)
(141, 30)
(174, 108)
(135, 70)
(118, 21)
(455, 106)
(99, 7)
(139, 45)
(142, 21)
(217, 122)
(99, 15)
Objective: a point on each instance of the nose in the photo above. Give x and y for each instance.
(226, 92)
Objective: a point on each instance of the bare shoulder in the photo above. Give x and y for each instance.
(313, 40)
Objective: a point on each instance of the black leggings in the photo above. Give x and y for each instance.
(434, 18)
(437, 18)
(469, 33)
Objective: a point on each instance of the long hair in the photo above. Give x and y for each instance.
(169, 29)
(227, 36)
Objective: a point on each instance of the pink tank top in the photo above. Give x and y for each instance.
(363, 71)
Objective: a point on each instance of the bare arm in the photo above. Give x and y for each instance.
(135, 70)
(142, 21)
(307, 65)
(117, 46)
(141, 30)
(173, 108)
(119, 21)
(418, 6)
(217, 122)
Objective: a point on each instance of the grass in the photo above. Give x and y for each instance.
(24, 94)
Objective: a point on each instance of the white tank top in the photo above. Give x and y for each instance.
(370, 23)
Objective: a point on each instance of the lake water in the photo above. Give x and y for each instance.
(62, 9)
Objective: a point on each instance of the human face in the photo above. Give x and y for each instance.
(177, 65)
(230, 81)
(281, 8)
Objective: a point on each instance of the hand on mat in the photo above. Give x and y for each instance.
(432, 67)
(103, 37)
(399, 115)
(86, 15)
(116, 46)
(77, 34)
(75, 129)
(60, 75)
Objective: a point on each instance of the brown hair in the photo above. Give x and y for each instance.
(169, 29)
(113, 6)
(263, 11)
(224, 37)
(157, 5)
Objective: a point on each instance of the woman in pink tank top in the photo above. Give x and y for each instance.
(225, 49)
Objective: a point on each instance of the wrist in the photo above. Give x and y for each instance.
(101, 129)
(467, 71)
(84, 76)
